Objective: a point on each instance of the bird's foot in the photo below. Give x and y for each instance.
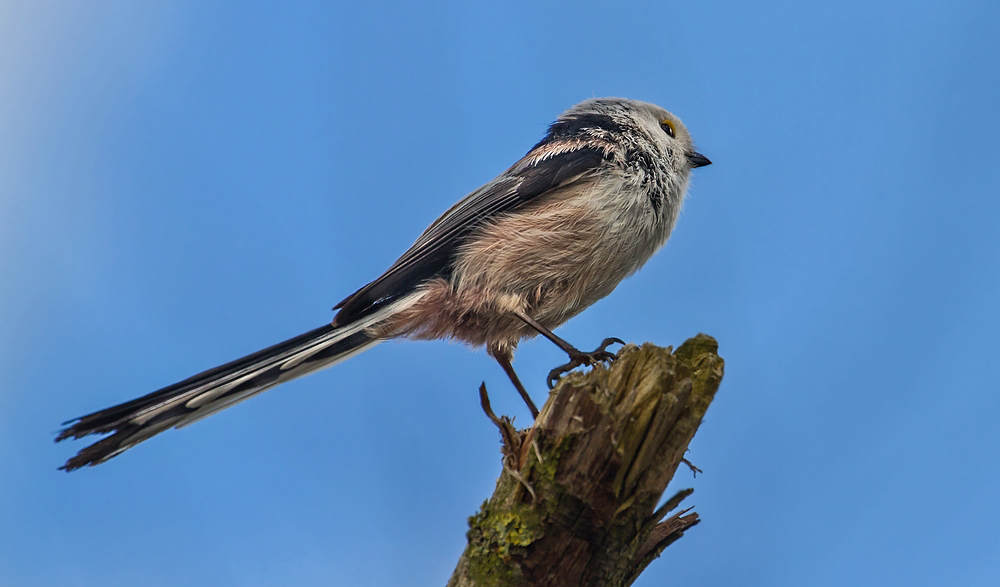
(580, 359)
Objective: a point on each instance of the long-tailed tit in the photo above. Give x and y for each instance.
(585, 208)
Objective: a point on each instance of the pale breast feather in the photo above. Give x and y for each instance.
(431, 256)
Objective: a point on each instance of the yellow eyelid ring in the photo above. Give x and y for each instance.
(668, 126)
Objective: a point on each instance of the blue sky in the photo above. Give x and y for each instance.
(182, 183)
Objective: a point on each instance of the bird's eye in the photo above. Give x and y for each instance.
(668, 127)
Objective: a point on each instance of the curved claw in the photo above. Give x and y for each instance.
(580, 359)
(556, 373)
(603, 349)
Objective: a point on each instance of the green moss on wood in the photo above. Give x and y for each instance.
(598, 459)
(495, 535)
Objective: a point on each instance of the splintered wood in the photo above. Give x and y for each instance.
(576, 503)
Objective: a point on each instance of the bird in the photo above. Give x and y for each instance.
(585, 208)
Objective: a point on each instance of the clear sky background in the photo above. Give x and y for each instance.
(182, 183)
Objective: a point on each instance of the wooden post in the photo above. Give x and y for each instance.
(576, 502)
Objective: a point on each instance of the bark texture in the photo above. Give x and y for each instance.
(576, 502)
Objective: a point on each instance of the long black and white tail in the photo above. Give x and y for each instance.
(208, 392)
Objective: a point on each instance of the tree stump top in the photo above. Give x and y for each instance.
(576, 502)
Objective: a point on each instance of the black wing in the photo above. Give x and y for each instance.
(545, 167)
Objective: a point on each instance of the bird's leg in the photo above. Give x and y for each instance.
(504, 359)
(577, 358)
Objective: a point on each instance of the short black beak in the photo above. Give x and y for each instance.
(698, 160)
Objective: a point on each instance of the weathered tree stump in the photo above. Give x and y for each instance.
(576, 502)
